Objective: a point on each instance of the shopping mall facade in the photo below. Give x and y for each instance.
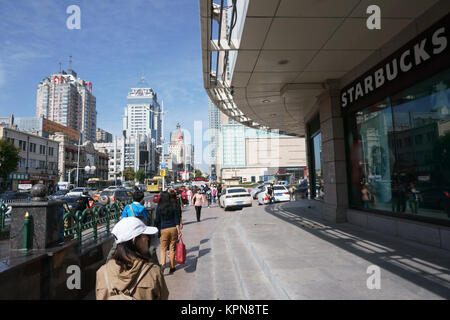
(373, 105)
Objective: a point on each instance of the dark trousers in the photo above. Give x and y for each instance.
(198, 210)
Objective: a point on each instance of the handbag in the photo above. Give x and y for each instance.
(180, 251)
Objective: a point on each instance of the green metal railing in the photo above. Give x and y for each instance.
(83, 226)
(90, 223)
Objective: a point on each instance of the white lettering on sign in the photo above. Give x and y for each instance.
(415, 55)
(374, 21)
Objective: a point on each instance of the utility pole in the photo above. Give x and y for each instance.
(78, 161)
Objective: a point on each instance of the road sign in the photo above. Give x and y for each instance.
(163, 172)
(163, 166)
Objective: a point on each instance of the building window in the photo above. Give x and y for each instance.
(412, 178)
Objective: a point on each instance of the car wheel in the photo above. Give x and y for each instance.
(103, 200)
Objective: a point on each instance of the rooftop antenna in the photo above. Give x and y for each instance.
(70, 63)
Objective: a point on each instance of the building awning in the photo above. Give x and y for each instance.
(281, 53)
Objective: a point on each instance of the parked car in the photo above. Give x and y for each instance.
(110, 196)
(281, 193)
(76, 203)
(77, 192)
(235, 197)
(256, 190)
(58, 195)
(156, 198)
(11, 196)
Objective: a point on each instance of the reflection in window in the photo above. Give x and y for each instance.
(318, 165)
(400, 151)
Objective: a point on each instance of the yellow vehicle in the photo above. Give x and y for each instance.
(155, 184)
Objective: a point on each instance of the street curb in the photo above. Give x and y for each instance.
(269, 275)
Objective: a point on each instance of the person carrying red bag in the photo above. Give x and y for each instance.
(168, 222)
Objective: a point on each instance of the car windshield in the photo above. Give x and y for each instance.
(236, 190)
(279, 188)
(107, 193)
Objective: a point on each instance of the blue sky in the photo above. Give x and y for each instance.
(117, 43)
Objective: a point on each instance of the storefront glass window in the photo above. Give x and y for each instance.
(318, 165)
(399, 151)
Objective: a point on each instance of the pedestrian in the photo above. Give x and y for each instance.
(270, 193)
(366, 196)
(291, 192)
(138, 210)
(130, 274)
(214, 193)
(168, 222)
(189, 195)
(209, 197)
(176, 204)
(198, 201)
(414, 197)
(219, 191)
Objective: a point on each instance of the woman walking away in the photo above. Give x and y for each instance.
(168, 222)
(130, 275)
(209, 197)
(198, 201)
(177, 206)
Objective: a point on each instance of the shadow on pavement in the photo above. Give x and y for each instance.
(404, 260)
(195, 221)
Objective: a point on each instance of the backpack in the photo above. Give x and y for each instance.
(127, 295)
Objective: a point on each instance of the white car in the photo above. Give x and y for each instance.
(256, 190)
(235, 197)
(281, 193)
(76, 192)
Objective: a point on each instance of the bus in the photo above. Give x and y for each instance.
(98, 184)
(155, 184)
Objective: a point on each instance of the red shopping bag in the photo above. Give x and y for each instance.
(180, 251)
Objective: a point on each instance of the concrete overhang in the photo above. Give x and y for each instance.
(287, 51)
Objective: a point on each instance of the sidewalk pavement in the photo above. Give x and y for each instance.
(284, 251)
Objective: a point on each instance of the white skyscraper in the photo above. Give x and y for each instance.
(142, 129)
(68, 100)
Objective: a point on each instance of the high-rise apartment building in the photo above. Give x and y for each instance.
(142, 128)
(103, 136)
(68, 100)
(213, 133)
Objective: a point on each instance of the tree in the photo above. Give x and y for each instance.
(140, 176)
(198, 173)
(129, 174)
(9, 158)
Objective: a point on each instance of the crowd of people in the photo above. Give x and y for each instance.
(132, 269)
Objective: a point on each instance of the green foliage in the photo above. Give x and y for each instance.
(9, 158)
(140, 176)
(198, 173)
(129, 174)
